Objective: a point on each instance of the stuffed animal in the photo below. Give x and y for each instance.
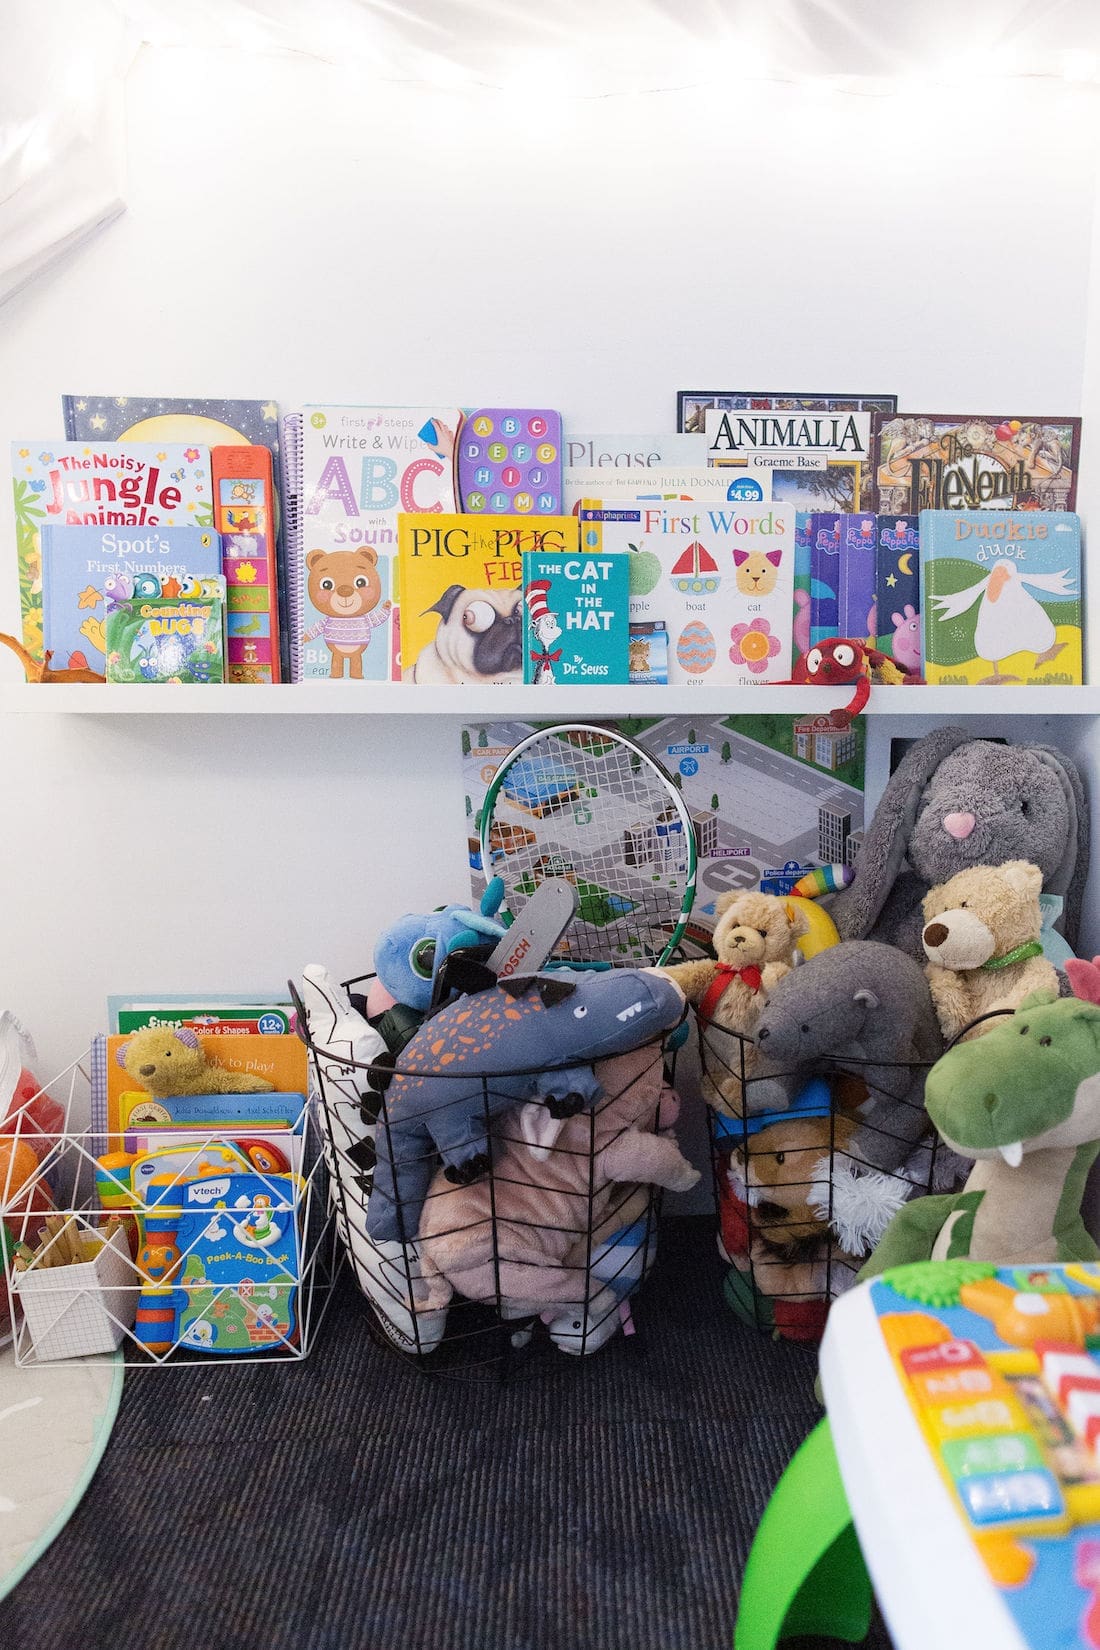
(530, 1036)
(842, 661)
(955, 802)
(517, 1240)
(407, 958)
(1024, 1103)
(168, 1062)
(754, 942)
(981, 938)
(861, 1008)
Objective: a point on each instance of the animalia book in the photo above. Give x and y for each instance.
(88, 570)
(85, 484)
(360, 468)
(171, 639)
(975, 461)
(816, 446)
(462, 606)
(1001, 596)
(897, 591)
(720, 578)
(244, 511)
(576, 623)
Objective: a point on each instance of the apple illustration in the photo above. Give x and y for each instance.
(645, 571)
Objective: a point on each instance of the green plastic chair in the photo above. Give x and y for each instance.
(805, 1573)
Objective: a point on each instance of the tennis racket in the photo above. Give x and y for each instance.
(589, 805)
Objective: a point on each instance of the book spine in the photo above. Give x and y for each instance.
(291, 564)
(69, 413)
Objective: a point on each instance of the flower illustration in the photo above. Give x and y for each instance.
(190, 454)
(753, 645)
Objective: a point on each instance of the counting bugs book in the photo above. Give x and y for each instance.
(88, 570)
(360, 467)
(168, 638)
(576, 618)
(720, 578)
(461, 602)
(105, 484)
(1001, 596)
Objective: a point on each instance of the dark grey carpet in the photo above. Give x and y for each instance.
(350, 1503)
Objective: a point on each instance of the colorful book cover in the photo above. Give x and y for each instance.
(266, 1019)
(975, 461)
(170, 639)
(360, 468)
(855, 608)
(509, 462)
(1001, 596)
(461, 601)
(897, 591)
(282, 1060)
(824, 574)
(167, 1004)
(700, 482)
(576, 620)
(99, 484)
(648, 655)
(817, 446)
(204, 421)
(244, 513)
(235, 1291)
(721, 579)
(803, 522)
(85, 570)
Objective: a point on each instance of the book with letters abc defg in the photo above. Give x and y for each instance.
(576, 617)
(461, 601)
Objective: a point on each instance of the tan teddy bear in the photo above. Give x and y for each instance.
(754, 942)
(981, 937)
(169, 1062)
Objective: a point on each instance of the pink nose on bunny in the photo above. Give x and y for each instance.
(959, 825)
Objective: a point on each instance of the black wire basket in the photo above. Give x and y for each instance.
(545, 1250)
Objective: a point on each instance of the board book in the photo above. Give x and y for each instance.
(817, 447)
(205, 421)
(99, 484)
(575, 615)
(897, 591)
(168, 1006)
(824, 574)
(975, 461)
(87, 570)
(359, 468)
(462, 606)
(509, 462)
(855, 615)
(699, 481)
(168, 638)
(1001, 597)
(720, 578)
(282, 1060)
(244, 1021)
(244, 495)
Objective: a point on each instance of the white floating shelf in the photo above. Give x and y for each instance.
(531, 703)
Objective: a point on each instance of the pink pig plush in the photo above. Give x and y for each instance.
(546, 1193)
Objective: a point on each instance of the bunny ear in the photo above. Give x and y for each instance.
(1084, 977)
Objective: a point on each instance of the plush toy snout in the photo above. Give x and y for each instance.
(959, 825)
(958, 939)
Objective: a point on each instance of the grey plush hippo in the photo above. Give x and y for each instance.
(863, 1008)
(954, 802)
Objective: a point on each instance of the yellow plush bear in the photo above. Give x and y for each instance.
(169, 1062)
(981, 938)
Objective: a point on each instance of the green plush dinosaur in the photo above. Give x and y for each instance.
(1024, 1102)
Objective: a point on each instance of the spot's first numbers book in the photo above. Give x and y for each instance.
(576, 617)
(1001, 597)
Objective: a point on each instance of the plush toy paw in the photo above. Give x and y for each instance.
(469, 1170)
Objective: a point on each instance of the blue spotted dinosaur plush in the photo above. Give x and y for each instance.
(474, 1060)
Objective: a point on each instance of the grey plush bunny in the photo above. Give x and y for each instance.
(956, 801)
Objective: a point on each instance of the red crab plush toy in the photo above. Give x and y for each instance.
(838, 662)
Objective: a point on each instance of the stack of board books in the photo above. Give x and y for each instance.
(169, 540)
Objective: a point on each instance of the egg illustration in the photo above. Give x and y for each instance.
(696, 650)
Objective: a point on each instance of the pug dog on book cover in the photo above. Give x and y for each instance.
(479, 638)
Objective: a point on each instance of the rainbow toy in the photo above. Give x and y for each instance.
(823, 879)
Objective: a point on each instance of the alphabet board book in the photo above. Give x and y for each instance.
(576, 623)
(361, 467)
(1001, 596)
(509, 462)
(86, 570)
(244, 511)
(817, 446)
(975, 461)
(86, 484)
(461, 602)
(720, 577)
(897, 591)
(169, 639)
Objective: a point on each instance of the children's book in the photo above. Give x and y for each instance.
(1001, 596)
(462, 606)
(268, 1019)
(975, 461)
(824, 574)
(359, 468)
(631, 452)
(817, 446)
(282, 1060)
(166, 1008)
(720, 578)
(200, 420)
(509, 462)
(576, 620)
(88, 570)
(897, 592)
(168, 638)
(800, 636)
(855, 615)
(698, 481)
(244, 512)
(99, 484)
(648, 655)
(236, 1290)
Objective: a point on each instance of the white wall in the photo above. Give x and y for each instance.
(296, 231)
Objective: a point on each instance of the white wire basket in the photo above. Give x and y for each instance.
(147, 1286)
